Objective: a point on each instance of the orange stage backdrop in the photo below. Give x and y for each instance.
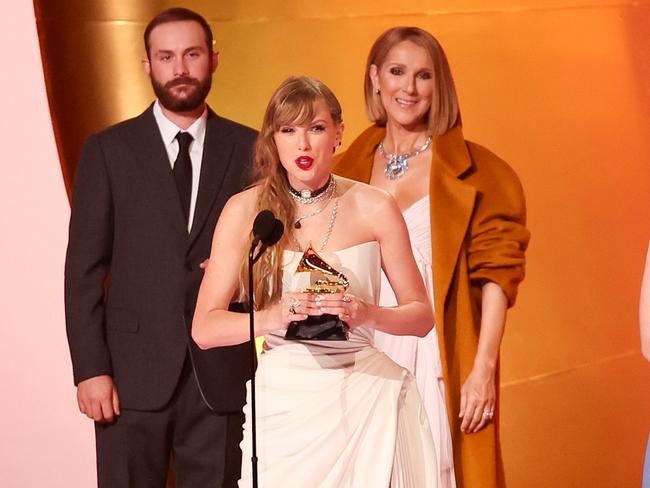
(558, 88)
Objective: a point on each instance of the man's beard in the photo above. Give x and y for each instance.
(193, 98)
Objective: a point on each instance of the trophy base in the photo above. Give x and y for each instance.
(324, 327)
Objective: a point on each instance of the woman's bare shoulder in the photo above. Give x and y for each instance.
(375, 208)
(244, 201)
(363, 194)
(240, 209)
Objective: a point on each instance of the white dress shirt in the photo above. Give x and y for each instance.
(168, 131)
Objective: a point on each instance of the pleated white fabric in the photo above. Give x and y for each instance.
(421, 355)
(338, 414)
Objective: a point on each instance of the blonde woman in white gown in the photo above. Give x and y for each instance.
(329, 413)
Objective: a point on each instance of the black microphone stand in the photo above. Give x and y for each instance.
(251, 315)
(267, 232)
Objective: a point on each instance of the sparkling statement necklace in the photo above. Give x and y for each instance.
(398, 164)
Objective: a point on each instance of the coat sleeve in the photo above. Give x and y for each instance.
(499, 237)
(87, 264)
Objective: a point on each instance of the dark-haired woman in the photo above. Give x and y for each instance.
(465, 212)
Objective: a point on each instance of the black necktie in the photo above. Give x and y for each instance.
(183, 171)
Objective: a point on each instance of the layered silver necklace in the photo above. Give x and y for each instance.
(398, 164)
(309, 197)
(331, 191)
(330, 225)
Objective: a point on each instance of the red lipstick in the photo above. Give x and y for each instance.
(304, 162)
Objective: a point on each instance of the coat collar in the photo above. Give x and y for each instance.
(452, 199)
(356, 163)
(452, 205)
(451, 150)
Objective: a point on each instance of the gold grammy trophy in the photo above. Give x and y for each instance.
(326, 327)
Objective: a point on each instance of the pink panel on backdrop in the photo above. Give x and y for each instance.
(44, 441)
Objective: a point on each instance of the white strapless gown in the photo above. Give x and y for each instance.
(338, 414)
(421, 355)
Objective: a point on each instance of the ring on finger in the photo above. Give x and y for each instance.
(488, 414)
(293, 303)
(347, 298)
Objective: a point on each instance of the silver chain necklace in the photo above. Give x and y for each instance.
(398, 164)
(330, 226)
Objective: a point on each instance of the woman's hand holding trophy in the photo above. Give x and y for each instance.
(327, 310)
(350, 309)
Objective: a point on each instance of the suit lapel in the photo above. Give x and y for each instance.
(452, 204)
(149, 149)
(217, 152)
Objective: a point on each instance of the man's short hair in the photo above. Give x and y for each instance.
(177, 14)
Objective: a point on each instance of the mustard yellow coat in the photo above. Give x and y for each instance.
(478, 218)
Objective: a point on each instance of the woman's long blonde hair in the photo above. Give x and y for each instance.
(292, 103)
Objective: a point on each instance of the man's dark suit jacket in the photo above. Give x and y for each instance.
(132, 271)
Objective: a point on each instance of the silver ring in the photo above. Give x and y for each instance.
(347, 298)
(293, 303)
(488, 414)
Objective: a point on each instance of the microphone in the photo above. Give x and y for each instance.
(273, 237)
(263, 226)
(268, 230)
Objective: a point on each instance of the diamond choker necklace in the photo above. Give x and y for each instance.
(308, 196)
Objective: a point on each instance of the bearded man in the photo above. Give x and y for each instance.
(147, 195)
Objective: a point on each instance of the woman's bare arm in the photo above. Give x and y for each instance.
(414, 314)
(213, 324)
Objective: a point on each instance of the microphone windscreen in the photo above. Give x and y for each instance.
(263, 225)
(275, 234)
